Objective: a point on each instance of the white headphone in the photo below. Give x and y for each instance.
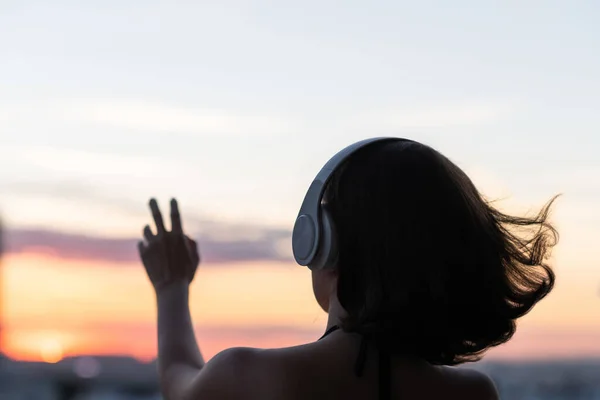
(313, 238)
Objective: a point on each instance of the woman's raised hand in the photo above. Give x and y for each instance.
(168, 256)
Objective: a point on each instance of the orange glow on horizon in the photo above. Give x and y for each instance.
(59, 308)
(38, 345)
(51, 351)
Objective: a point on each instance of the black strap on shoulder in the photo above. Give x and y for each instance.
(330, 330)
(385, 363)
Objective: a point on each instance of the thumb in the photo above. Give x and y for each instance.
(192, 246)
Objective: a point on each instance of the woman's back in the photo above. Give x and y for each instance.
(324, 370)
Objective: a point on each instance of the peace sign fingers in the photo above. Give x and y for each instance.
(158, 220)
(176, 226)
(168, 256)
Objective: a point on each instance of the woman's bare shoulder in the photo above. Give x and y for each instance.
(472, 384)
(235, 373)
(254, 373)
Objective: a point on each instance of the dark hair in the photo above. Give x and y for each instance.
(427, 266)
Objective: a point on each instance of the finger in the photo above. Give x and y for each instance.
(148, 235)
(141, 247)
(175, 217)
(160, 225)
(191, 243)
(193, 246)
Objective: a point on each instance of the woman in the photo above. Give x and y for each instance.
(427, 275)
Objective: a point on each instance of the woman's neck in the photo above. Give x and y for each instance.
(335, 313)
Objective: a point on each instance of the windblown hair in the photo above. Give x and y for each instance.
(427, 266)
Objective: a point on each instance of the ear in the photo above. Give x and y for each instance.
(324, 284)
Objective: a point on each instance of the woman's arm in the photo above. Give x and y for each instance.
(179, 358)
(171, 260)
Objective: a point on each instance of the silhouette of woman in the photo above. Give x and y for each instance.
(426, 275)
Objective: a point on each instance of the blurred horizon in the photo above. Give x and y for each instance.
(232, 107)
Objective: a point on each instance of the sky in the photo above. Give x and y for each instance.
(233, 107)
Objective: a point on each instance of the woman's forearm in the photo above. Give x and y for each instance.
(179, 358)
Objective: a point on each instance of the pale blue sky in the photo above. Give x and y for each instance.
(233, 106)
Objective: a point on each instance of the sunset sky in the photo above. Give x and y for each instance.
(232, 107)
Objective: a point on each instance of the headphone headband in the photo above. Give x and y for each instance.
(306, 236)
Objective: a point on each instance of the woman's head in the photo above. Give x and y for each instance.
(425, 262)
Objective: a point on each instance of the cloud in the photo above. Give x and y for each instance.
(143, 116)
(72, 189)
(225, 244)
(65, 160)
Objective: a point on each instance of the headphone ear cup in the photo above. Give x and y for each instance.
(327, 255)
